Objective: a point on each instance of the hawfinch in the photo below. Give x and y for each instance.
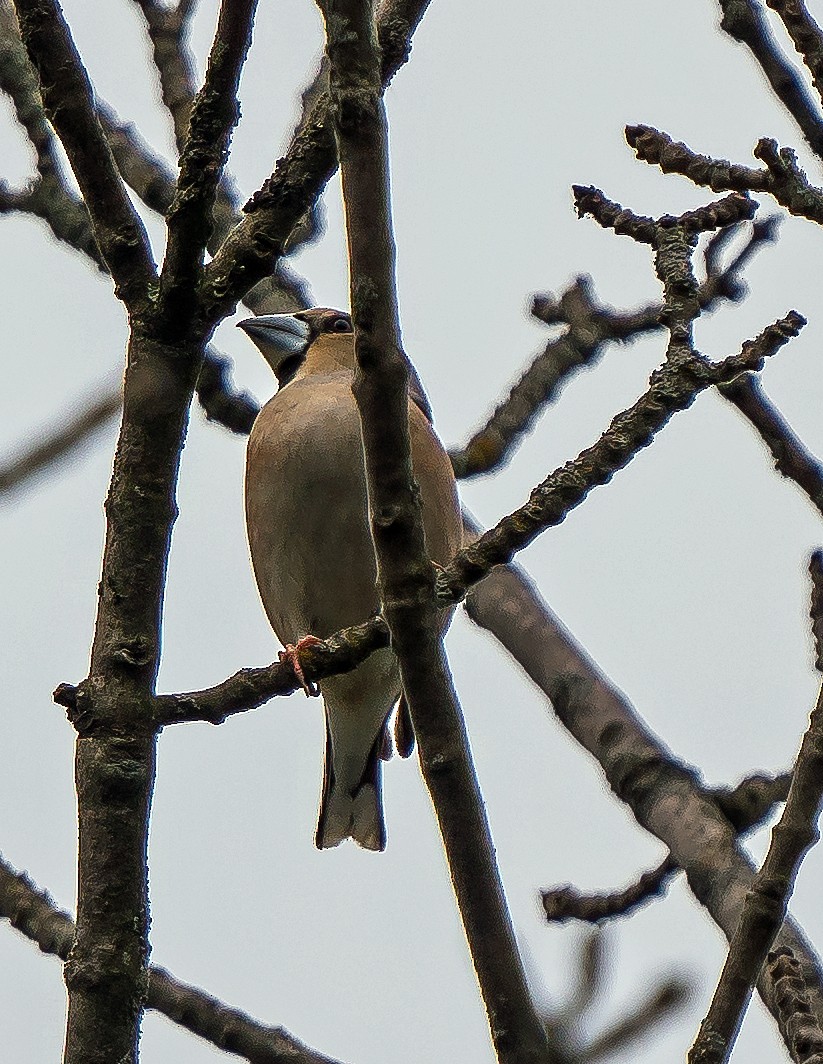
(312, 552)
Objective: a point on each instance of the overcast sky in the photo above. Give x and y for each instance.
(685, 578)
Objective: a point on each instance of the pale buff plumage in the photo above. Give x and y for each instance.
(311, 549)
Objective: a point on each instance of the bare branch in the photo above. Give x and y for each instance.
(782, 177)
(805, 34)
(68, 99)
(664, 795)
(745, 806)
(800, 1028)
(672, 388)
(55, 443)
(249, 253)
(33, 913)
(250, 688)
(168, 28)
(405, 572)
(768, 899)
(745, 22)
(214, 115)
(591, 327)
(792, 459)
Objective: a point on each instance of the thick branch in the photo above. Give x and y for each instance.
(405, 572)
(664, 795)
(68, 99)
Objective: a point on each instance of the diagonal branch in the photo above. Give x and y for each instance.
(806, 36)
(68, 99)
(768, 899)
(34, 914)
(664, 795)
(745, 21)
(672, 388)
(249, 253)
(214, 115)
(405, 572)
(590, 327)
(54, 443)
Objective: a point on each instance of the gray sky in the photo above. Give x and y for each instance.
(685, 578)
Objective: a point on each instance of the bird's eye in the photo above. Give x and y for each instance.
(341, 325)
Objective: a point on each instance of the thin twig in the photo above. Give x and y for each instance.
(62, 437)
(745, 806)
(591, 327)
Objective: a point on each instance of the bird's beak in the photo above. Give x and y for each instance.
(282, 338)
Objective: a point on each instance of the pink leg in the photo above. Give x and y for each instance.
(290, 655)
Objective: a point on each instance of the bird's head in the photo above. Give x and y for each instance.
(317, 340)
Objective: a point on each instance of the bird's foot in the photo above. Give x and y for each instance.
(290, 655)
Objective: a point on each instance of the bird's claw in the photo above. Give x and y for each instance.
(290, 655)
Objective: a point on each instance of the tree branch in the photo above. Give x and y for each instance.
(34, 914)
(664, 795)
(214, 115)
(805, 34)
(405, 573)
(767, 902)
(68, 99)
(745, 22)
(249, 252)
(591, 327)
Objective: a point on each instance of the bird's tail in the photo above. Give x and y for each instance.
(352, 812)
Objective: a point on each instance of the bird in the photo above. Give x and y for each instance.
(312, 552)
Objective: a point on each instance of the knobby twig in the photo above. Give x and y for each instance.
(405, 572)
(35, 915)
(672, 388)
(799, 1026)
(781, 177)
(590, 327)
(768, 899)
(745, 806)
